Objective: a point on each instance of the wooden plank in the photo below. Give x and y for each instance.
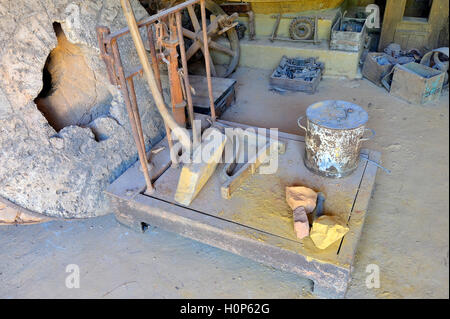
(393, 14)
(195, 175)
(330, 280)
(246, 170)
(260, 201)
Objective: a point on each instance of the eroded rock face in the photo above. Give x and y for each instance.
(63, 173)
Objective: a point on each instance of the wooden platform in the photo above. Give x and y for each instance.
(256, 222)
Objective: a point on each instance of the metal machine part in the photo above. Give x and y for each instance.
(438, 59)
(242, 8)
(297, 74)
(302, 28)
(334, 134)
(318, 210)
(220, 27)
(306, 69)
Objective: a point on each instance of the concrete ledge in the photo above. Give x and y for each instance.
(265, 54)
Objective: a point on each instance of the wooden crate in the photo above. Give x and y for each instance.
(373, 71)
(347, 40)
(223, 94)
(294, 84)
(417, 83)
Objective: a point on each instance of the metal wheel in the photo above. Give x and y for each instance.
(223, 38)
(301, 29)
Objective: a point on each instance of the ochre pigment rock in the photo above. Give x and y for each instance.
(301, 224)
(326, 230)
(297, 196)
(302, 201)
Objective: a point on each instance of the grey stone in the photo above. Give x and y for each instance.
(63, 173)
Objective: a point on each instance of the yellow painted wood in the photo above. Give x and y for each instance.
(290, 6)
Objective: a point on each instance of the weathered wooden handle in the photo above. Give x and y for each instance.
(180, 133)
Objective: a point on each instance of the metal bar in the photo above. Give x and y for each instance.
(275, 28)
(155, 61)
(186, 76)
(137, 116)
(155, 66)
(291, 40)
(103, 32)
(153, 18)
(135, 71)
(134, 130)
(316, 27)
(207, 60)
(176, 94)
(251, 25)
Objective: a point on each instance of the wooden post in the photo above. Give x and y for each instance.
(176, 94)
(186, 76)
(207, 60)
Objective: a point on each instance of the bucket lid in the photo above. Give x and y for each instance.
(336, 114)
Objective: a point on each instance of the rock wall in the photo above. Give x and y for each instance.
(63, 173)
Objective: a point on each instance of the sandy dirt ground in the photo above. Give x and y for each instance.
(405, 234)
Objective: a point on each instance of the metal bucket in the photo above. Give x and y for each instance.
(334, 134)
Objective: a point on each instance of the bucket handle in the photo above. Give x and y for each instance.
(300, 125)
(367, 138)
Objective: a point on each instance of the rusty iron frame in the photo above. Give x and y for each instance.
(109, 51)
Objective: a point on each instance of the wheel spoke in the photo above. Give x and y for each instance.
(188, 34)
(194, 19)
(221, 48)
(213, 68)
(193, 49)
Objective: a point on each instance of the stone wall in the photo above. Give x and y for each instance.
(63, 173)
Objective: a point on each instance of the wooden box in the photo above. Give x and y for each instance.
(373, 71)
(223, 94)
(417, 83)
(295, 84)
(347, 40)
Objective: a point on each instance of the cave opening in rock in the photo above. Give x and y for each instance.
(71, 93)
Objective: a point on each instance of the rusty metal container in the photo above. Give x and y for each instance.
(334, 134)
